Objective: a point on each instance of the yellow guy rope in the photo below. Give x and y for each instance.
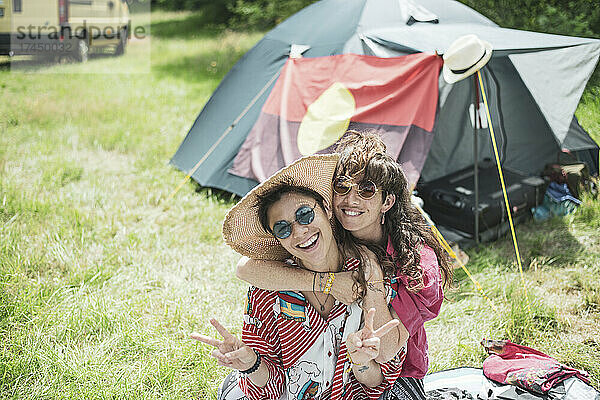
(512, 227)
(452, 254)
(214, 146)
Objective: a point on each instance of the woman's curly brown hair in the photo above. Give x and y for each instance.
(364, 152)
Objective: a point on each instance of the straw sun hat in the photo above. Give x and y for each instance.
(242, 229)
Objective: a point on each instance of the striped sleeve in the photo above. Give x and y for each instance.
(260, 333)
(391, 371)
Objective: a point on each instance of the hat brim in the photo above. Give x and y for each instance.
(242, 229)
(451, 77)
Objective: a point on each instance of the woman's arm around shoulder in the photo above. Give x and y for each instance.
(277, 275)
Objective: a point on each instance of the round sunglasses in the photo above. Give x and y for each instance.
(342, 185)
(304, 216)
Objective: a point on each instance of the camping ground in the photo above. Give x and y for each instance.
(102, 280)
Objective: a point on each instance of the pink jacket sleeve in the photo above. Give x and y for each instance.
(414, 309)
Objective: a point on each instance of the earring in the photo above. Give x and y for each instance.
(382, 218)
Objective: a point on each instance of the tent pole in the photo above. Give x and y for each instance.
(225, 133)
(503, 185)
(476, 156)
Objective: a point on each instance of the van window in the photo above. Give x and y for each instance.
(17, 6)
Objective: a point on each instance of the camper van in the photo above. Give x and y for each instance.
(63, 27)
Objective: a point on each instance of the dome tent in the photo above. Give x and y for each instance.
(534, 82)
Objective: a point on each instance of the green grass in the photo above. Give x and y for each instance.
(101, 281)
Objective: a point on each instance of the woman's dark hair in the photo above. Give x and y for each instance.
(364, 152)
(347, 245)
(275, 193)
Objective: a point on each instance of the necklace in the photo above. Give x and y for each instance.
(322, 305)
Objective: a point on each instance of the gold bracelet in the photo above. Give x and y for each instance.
(329, 283)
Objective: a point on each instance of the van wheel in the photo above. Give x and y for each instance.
(120, 50)
(82, 51)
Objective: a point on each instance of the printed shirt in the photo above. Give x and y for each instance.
(414, 308)
(305, 353)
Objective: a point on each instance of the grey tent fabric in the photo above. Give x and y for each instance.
(431, 38)
(557, 96)
(523, 120)
(413, 13)
(525, 142)
(554, 68)
(577, 139)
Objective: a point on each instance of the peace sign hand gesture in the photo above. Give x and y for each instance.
(363, 345)
(230, 352)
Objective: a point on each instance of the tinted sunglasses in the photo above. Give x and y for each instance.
(304, 216)
(342, 185)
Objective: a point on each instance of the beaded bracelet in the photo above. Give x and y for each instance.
(350, 359)
(255, 366)
(329, 283)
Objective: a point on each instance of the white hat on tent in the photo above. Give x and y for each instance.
(465, 56)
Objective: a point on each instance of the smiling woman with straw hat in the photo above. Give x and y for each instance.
(303, 344)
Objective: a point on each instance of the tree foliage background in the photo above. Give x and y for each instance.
(239, 14)
(576, 17)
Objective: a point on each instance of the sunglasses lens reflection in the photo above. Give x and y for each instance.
(305, 215)
(367, 189)
(341, 186)
(282, 229)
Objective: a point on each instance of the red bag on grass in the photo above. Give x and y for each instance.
(525, 367)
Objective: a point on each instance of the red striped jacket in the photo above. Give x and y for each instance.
(304, 353)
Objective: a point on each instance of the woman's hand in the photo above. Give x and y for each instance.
(343, 287)
(230, 352)
(363, 345)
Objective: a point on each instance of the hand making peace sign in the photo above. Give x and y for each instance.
(363, 345)
(230, 352)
